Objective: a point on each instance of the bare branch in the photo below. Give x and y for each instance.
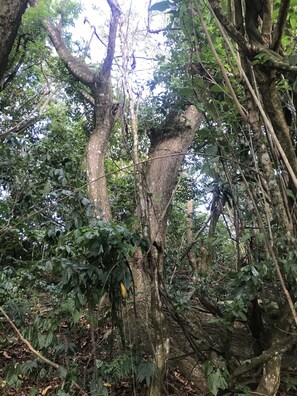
(76, 66)
(89, 98)
(34, 351)
(27, 343)
(94, 31)
(114, 6)
(196, 238)
(167, 29)
(277, 348)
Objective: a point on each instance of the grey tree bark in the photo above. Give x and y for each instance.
(166, 154)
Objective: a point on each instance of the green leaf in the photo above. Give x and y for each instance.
(255, 272)
(41, 340)
(216, 381)
(62, 371)
(162, 6)
(48, 340)
(85, 201)
(290, 194)
(295, 86)
(293, 22)
(145, 371)
(246, 237)
(292, 59)
(47, 188)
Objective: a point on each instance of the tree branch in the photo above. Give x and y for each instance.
(31, 118)
(267, 20)
(196, 238)
(279, 27)
(230, 28)
(236, 102)
(116, 13)
(76, 67)
(278, 348)
(89, 98)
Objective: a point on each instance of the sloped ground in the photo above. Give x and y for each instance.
(13, 351)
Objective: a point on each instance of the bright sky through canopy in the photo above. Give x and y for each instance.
(94, 19)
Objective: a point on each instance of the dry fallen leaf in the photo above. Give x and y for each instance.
(44, 392)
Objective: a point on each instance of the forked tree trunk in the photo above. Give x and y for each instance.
(98, 92)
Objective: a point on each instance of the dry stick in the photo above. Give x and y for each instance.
(34, 351)
(258, 103)
(239, 107)
(33, 117)
(26, 342)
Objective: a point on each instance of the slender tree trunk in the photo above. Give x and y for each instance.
(191, 254)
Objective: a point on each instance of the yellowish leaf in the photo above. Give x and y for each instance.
(45, 390)
(123, 290)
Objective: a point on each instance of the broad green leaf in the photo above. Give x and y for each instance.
(161, 6)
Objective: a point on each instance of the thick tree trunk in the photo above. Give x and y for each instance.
(11, 12)
(271, 377)
(97, 146)
(166, 154)
(97, 187)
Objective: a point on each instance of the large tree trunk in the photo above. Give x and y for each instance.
(166, 154)
(97, 147)
(11, 12)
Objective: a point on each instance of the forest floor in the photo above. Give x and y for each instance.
(13, 352)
